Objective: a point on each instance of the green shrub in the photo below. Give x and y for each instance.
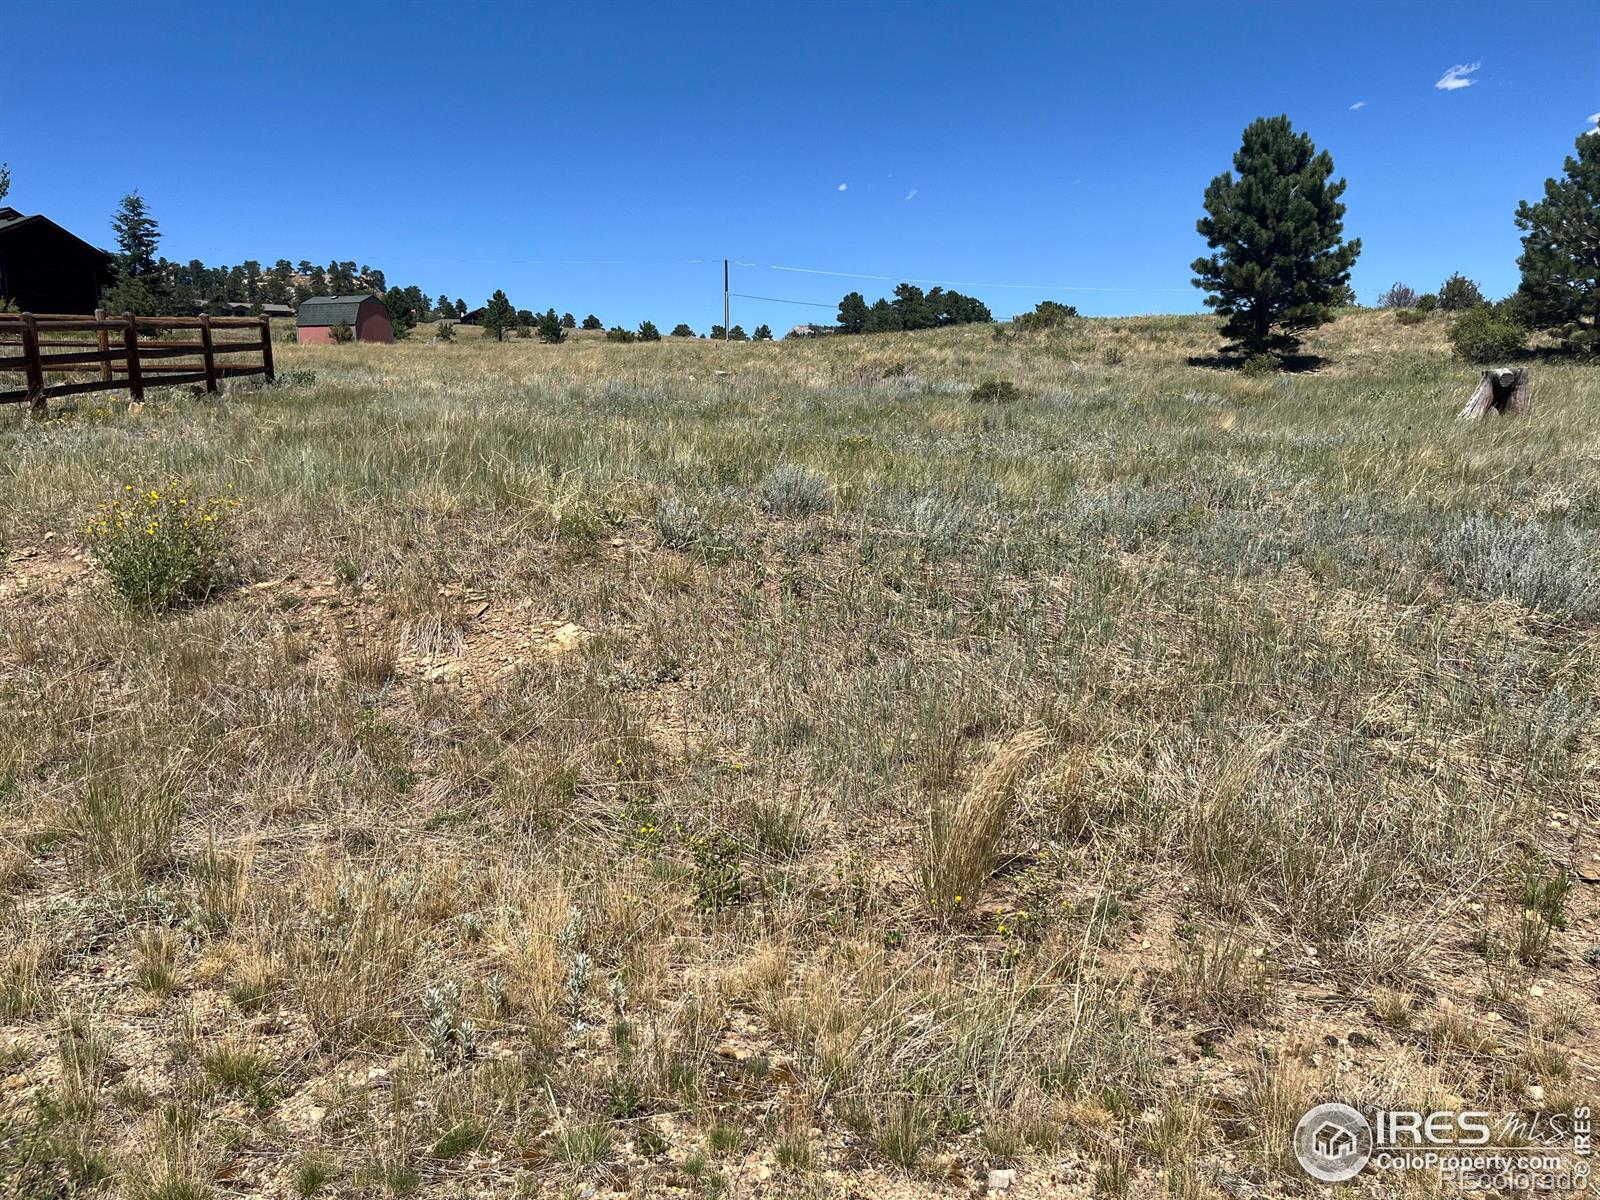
(1482, 335)
(161, 548)
(1048, 314)
(1458, 294)
(1427, 303)
(995, 391)
(341, 333)
(1409, 316)
(444, 331)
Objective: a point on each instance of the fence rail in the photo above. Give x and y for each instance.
(31, 346)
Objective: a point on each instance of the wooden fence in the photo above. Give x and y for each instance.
(117, 346)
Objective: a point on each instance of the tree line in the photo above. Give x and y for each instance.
(911, 308)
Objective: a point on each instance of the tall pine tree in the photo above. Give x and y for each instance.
(1561, 252)
(138, 235)
(498, 316)
(1281, 264)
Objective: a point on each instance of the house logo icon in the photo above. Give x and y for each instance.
(1333, 1142)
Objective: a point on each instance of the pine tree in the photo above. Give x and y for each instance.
(852, 313)
(5, 179)
(551, 330)
(1458, 293)
(913, 307)
(763, 333)
(1282, 263)
(681, 329)
(648, 332)
(568, 321)
(443, 307)
(718, 332)
(461, 307)
(737, 334)
(498, 316)
(592, 322)
(881, 318)
(1560, 258)
(138, 235)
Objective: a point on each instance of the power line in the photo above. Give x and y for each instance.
(780, 300)
(1029, 287)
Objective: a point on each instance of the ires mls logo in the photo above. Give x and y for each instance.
(1471, 1149)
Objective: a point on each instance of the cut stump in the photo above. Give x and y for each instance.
(1505, 390)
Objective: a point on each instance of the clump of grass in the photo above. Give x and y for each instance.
(994, 391)
(1219, 978)
(162, 546)
(963, 837)
(791, 490)
(124, 825)
(158, 954)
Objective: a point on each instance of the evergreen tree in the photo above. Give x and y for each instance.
(551, 329)
(525, 321)
(402, 313)
(913, 307)
(737, 334)
(461, 307)
(881, 318)
(852, 313)
(568, 321)
(1560, 258)
(498, 316)
(718, 332)
(648, 332)
(681, 329)
(1458, 293)
(592, 322)
(1282, 263)
(763, 333)
(5, 179)
(138, 235)
(443, 307)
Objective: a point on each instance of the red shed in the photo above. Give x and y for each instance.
(367, 316)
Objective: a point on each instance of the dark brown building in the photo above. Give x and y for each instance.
(45, 269)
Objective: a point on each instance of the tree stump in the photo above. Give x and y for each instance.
(1505, 390)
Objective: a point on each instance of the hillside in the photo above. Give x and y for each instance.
(683, 769)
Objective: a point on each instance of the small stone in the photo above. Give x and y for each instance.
(1002, 1181)
(1536, 1093)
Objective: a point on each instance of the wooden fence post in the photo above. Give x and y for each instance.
(208, 353)
(130, 342)
(266, 348)
(103, 340)
(35, 368)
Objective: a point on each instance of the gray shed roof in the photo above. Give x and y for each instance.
(331, 310)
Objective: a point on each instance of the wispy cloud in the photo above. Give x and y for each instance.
(1358, 104)
(1594, 119)
(844, 187)
(1456, 77)
(912, 194)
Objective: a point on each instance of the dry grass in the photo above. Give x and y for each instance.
(554, 803)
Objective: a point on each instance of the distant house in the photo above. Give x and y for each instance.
(238, 308)
(367, 316)
(45, 269)
(804, 331)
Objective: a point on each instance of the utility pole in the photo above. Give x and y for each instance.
(724, 300)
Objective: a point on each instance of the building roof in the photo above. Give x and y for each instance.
(12, 220)
(331, 310)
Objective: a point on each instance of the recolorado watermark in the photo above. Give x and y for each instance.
(1470, 1150)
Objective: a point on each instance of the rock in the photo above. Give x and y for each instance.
(1002, 1181)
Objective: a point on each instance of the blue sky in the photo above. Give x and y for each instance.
(578, 156)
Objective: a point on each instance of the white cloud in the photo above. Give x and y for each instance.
(844, 187)
(1358, 104)
(911, 194)
(1456, 77)
(1594, 119)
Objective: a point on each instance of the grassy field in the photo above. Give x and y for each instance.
(679, 769)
